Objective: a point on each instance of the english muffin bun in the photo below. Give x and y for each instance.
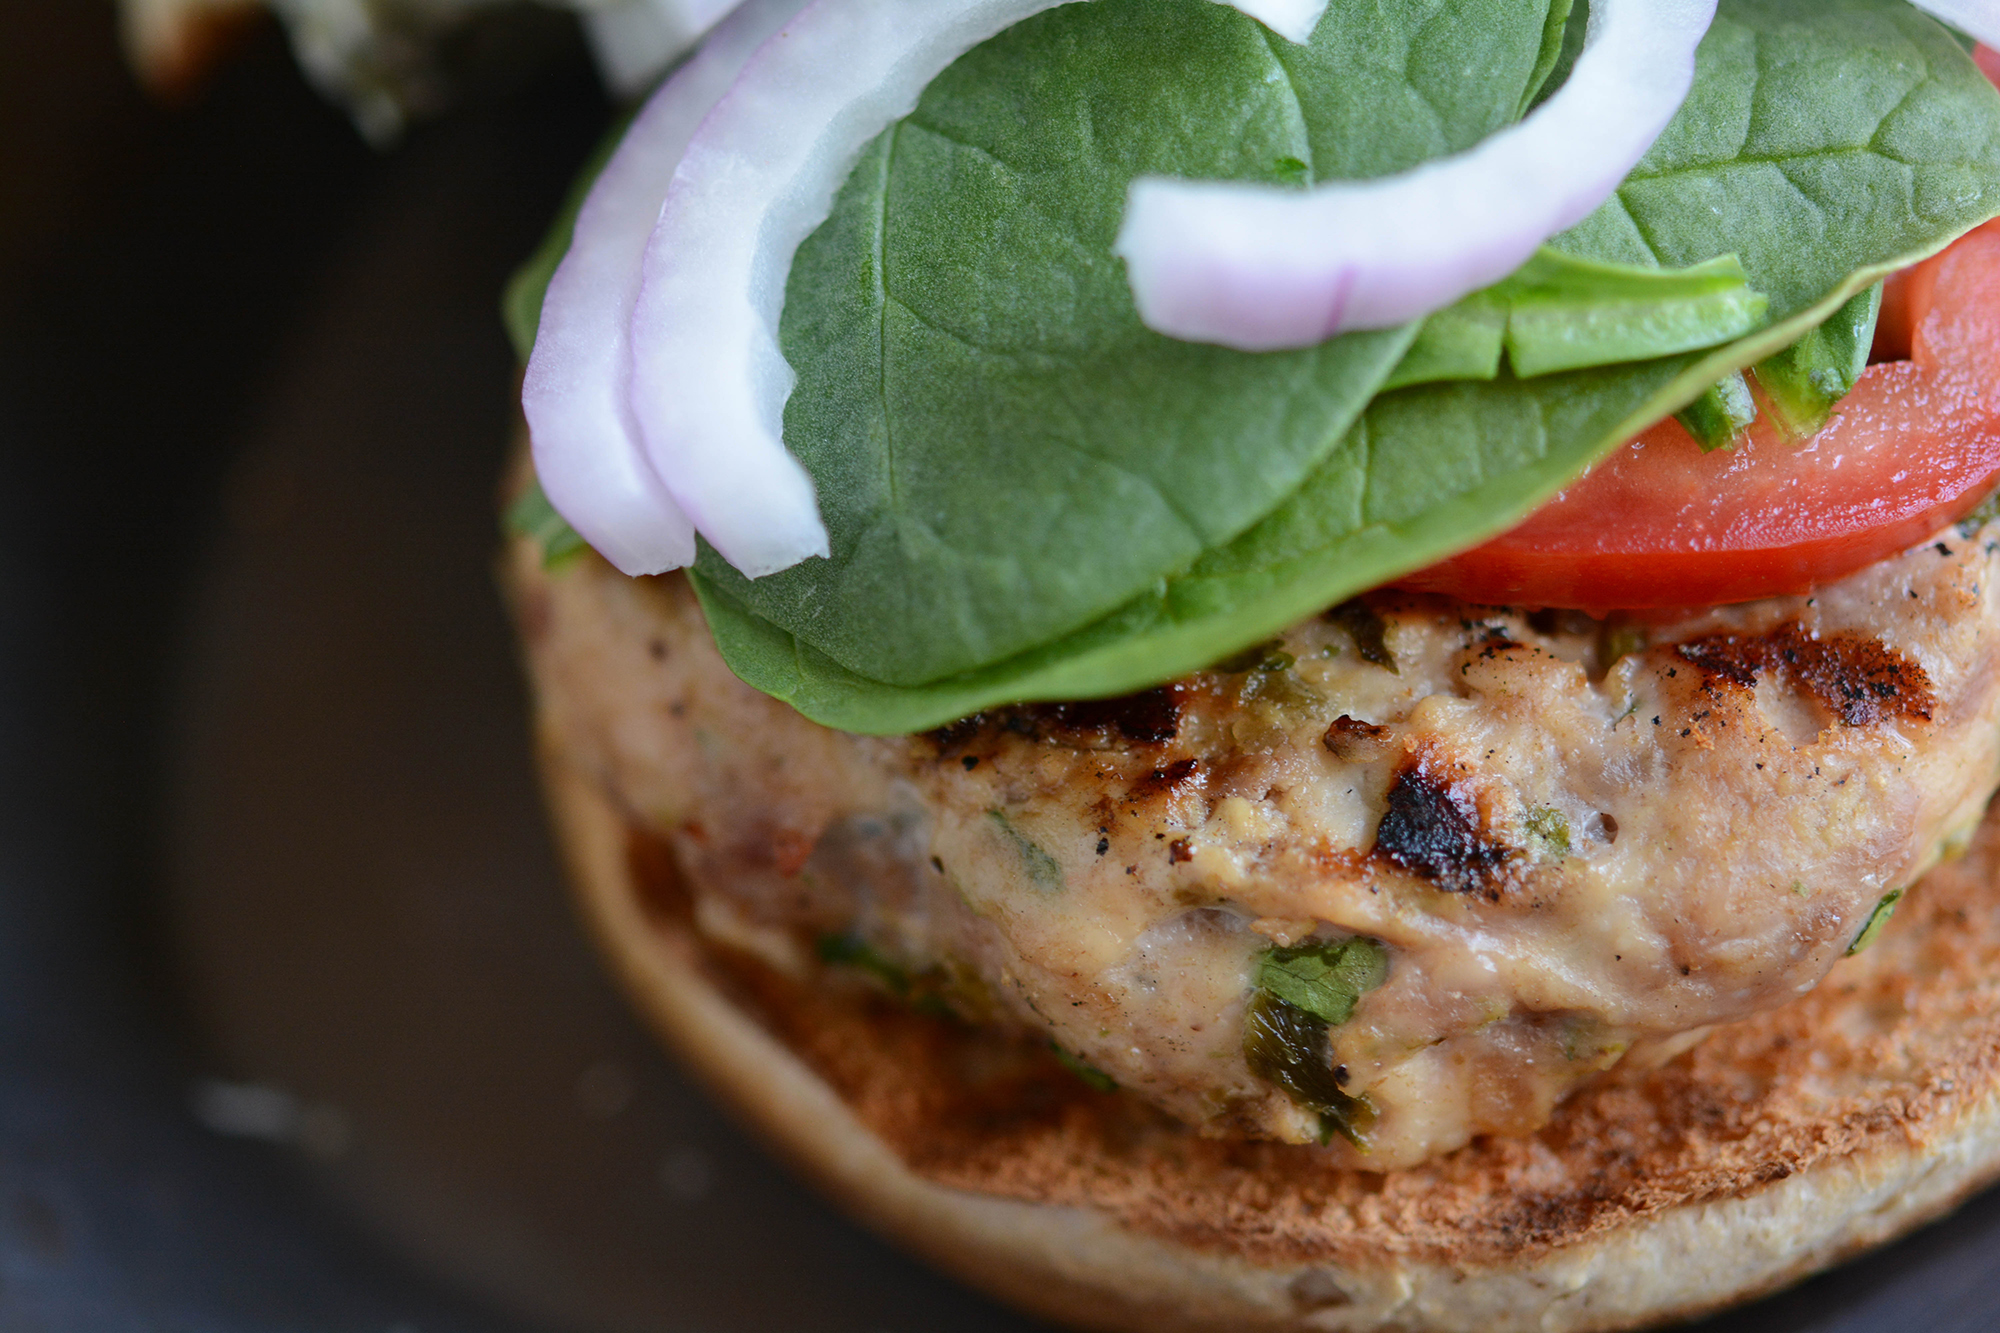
(1672, 1185)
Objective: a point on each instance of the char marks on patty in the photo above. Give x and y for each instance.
(1149, 717)
(1432, 829)
(1855, 677)
(1573, 839)
(1890, 1054)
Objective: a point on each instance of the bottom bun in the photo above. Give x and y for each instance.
(1772, 1149)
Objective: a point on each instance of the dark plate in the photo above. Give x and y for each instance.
(273, 865)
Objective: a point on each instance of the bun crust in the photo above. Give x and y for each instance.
(1775, 1148)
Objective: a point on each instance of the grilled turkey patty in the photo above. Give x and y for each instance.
(1578, 841)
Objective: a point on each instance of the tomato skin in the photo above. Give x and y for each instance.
(1661, 524)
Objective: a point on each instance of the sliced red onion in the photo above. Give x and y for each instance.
(1261, 268)
(1977, 19)
(710, 382)
(586, 444)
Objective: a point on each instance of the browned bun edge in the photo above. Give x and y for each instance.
(1096, 1268)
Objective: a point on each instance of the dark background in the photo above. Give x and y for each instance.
(266, 812)
(268, 820)
(151, 263)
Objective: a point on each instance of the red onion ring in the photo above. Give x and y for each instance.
(1260, 267)
(710, 383)
(586, 444)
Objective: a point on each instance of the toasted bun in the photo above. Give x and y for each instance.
(1774, 1148)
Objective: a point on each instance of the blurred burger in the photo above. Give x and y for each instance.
(378, 57)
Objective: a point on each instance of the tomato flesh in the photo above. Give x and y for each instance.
(1661, 524)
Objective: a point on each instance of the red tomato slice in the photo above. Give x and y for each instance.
(1661, 524)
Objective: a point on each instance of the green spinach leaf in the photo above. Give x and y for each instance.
(1301, 993)
(1003, 453)
(1827, 143)
(1559, 312)
(1094, 1078)
(1568, 23)
(1807, 379)
(1285, 1045)
(1723, 412)
(533, 517)
(1877, 921)
(1326, 979)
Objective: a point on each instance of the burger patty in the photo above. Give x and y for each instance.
(1571, 842)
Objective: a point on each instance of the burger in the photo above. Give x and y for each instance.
(1313, 665)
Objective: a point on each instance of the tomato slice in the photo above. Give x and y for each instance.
(1661, 524)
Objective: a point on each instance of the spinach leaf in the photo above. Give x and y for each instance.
(1044, 871)
(1562, 43)
(1877, 921)
(1286, 1045)
(1859, 124)
(1559, 312)
(1093, 1077)
(1827, 143)
(1326, 979)
(1723, 412)
(856, 952)
(1805, 380)
(533, 517)
(1565, 313)
(1003, 453)
(1302, 993)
